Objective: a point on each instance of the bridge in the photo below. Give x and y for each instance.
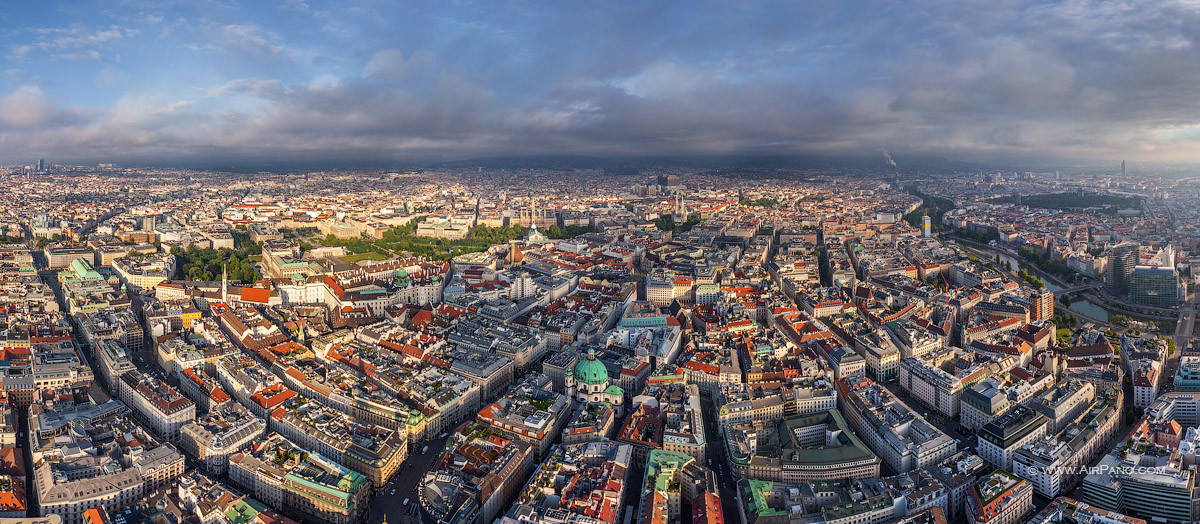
(1082, 287)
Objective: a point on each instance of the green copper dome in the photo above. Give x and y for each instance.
(590, 370)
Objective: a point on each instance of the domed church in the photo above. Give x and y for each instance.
(589, 383)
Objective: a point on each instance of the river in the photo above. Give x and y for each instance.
(1083, 306)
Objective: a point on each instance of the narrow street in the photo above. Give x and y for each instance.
(720, 463)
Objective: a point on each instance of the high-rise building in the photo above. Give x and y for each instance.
(1122, 168)
(925, 228)
(1121, 261)
(42, 164)
(1043, 305)
(1155, 286)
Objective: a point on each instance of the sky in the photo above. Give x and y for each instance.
(196, 80)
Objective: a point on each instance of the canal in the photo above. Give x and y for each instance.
(1078, 304)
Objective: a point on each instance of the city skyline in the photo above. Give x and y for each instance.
(142, 83)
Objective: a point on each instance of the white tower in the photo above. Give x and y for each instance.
(925, 225)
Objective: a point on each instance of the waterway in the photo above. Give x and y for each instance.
(1078, 304)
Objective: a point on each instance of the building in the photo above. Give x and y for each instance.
(492, 372)
(593, 421)
(1042, 305)
(78, 468)
(479, 473)
(577, 483)
(1045, 463)
(144, 273)
(530, 412)
(589, 382)
(898, 435)
(881, 355)
(300, 482)
(999, 498)
(936, 387)
(1062, 404)
(1145, 383)
(1156, 286)
(1064, 510)
(219, 434)
(375, 452)
(161, 407)
(1122, 260)
(799, 449)
(1000, 439)
(1143, 480)
(661, 498)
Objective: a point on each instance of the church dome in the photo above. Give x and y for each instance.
(590, 370)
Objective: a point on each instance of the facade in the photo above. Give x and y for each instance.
(216, 436)
(1122, 260)
(1156, 286)
(1045, 464)
(160, 406)
(76, 470)
(812, 447)
(306, 485)
(1000, 439)
(999, 498)
(899, 436)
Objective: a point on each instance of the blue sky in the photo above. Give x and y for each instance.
(190, 80)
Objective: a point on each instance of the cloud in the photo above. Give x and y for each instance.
(76, 42)
(250, 42)
(27, 108)
(964, 79)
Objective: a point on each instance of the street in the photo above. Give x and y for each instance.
(720, 464)
(404, 483)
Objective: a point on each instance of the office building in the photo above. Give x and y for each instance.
(1156, 286)
(1123, 258)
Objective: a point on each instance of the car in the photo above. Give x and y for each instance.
(406, 502)
(393, 492)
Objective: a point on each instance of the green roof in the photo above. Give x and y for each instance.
(244, 511)
(661, 467)
(756, 502)
(590, 370)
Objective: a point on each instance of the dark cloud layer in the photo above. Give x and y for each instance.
(967, 79)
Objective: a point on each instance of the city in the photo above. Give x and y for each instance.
(530, 262)
(463, 346)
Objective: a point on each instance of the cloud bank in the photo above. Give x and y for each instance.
(191, 81)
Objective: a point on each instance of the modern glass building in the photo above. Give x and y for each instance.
(1121, 262)
(1155, 286)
